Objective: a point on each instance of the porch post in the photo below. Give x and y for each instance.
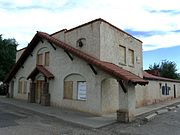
(31, 94)
(45, 97)
(127, 102)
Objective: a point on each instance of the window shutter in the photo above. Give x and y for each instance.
(131, 57)
(39, 59)
(46, 58)
(68, 89)
(122, 50)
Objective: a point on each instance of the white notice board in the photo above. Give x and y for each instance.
(81, 90)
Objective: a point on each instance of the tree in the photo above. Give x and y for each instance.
(166, 69)
(7, 55)
(154, 67)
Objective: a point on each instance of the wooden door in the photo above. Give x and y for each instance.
(38, 91)
(174, 91)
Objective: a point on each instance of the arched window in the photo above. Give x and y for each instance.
(75, 87)
(43, 56)
(22, 85)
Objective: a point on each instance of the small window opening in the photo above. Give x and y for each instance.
(81, 42)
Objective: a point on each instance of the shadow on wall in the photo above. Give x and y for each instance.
(3, 89)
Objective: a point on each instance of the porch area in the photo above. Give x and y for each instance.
(39, 86)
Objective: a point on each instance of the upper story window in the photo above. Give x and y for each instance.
(81, 42)
(46, 61)
(131, 57)
(43, 57)
(122, 51)
(40, 59)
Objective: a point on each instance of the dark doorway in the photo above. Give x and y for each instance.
(174, 91)
(12, 89)
(38, 91)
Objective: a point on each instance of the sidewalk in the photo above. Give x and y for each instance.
(77, 117)
(149, 108)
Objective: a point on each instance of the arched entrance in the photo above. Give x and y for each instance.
(40, 80)
(39, 87)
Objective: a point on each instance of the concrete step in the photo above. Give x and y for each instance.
(150, 117)
(171, 108)
(162, 111)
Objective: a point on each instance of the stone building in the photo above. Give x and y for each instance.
(158, 90)
(95, 67)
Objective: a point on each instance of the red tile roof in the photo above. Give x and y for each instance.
(43, 70)
(153, 77)
(109, 68)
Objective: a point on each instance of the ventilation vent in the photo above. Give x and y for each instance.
(81, 42)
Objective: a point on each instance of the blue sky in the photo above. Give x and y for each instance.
(157, 56)
(155, 22)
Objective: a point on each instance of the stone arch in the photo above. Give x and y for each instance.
(74, 75)
(75, 87)
(42, 50)
(39, 77)
(22, 78)
(109, 95)
(43, 56)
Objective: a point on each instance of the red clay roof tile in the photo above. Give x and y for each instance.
(112, 69)
(153, 77)
(43, 70)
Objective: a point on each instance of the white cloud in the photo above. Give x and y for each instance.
(29, 3)
(160, 41)
(22, 24)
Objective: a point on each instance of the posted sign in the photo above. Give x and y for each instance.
(81, 90)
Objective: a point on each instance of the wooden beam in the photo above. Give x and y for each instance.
(122, 86)
(52, 45)
(45, 78)
(93, 69)
(69, 55)
(32, 79)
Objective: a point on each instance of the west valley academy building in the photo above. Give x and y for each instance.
(95, 67)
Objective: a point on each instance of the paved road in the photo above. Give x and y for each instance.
(17, 121)
(164, 124)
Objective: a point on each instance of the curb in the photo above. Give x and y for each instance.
(158, 112)
(162, 111)
(150, 117)
(171, 108)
